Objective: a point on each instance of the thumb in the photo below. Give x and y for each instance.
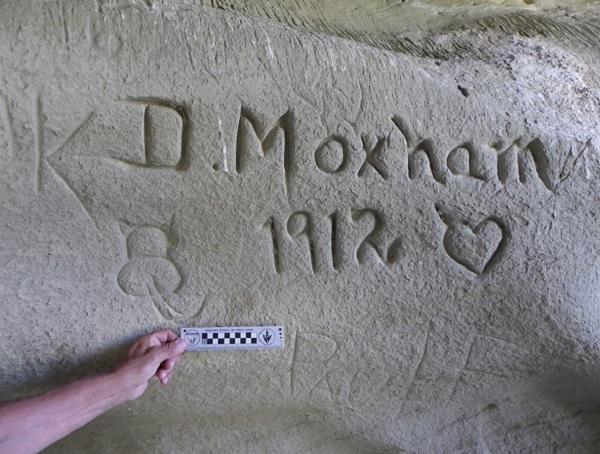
(168, 350)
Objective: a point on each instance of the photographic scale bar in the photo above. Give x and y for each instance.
(233, 337)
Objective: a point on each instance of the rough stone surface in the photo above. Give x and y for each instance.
(427, 231)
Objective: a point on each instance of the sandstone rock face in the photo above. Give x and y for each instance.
(426, 230)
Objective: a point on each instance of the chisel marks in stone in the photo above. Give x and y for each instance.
(293, 362)
(7, 135)
(462, 369)
(36, 123)
(419, 368)
(571, 163)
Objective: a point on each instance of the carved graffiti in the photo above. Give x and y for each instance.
(7, 136)
(164, 131)
(462, 161)
(338, 239)
(148, 270)
(418, 148)
(372, 240)
(373, 159)
(301, 226)
(250, 130)
(331, 156)
(522, 160)
(315, 373)
(151, 271)
(41, 164)
(475, 247)
(311, 356)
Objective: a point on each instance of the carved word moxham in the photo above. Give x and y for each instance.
(514, 160)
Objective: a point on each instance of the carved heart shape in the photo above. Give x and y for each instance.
(474, 248)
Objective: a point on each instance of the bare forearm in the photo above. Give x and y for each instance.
(30, 425)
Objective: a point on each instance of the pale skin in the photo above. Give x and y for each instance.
(29, 425)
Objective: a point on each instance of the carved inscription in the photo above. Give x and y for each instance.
(165, 131)
(269, 226)
(315, 375)
(331, 156)
(311, 356)
(372, 158)
(475, 247)
(7, 138)
(149, 271)
(336, 258)
(252, 134)
(336, 240)
(36, 123)
(372, 241)
(300, 224)
(462, 161)
(301, 229)
(420, 149)
(521, 160)
(42, 169)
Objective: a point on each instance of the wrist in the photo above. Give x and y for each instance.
(119, 381)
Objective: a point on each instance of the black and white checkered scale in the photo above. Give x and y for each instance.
(236, 338)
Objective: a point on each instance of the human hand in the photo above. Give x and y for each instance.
(151, 355)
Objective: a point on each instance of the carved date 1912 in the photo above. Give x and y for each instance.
(330, 251)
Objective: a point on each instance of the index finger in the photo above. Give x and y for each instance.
(164, 336)
(148, 341)
(154, 339)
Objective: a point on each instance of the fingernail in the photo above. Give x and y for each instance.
(180, 343)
